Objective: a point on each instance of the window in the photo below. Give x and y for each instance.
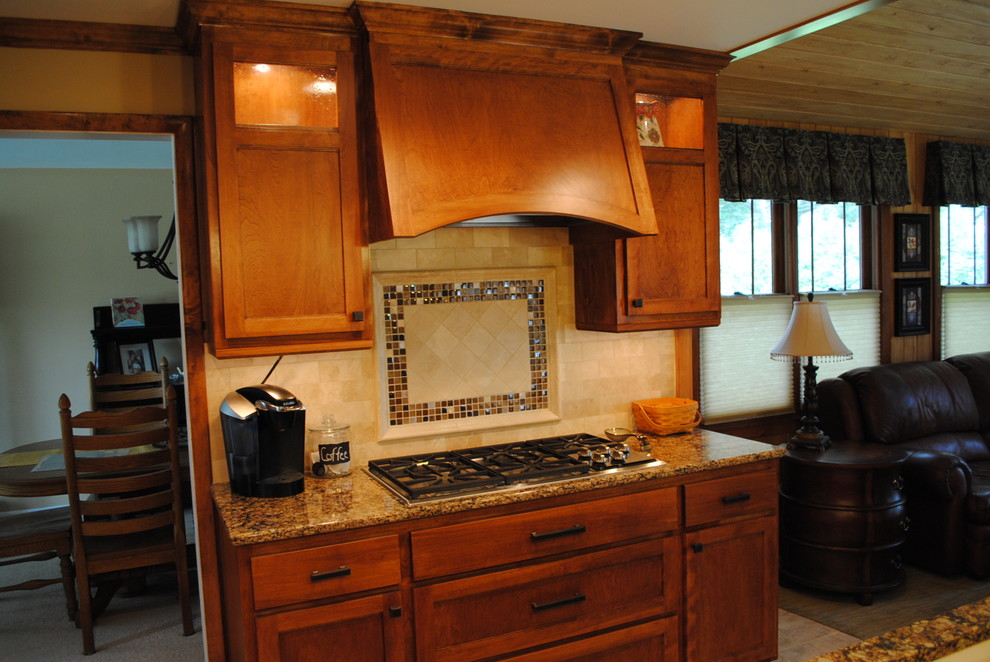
(965, 295)
(746, 247)
(829, 247)
(769, 252)
(963, 251)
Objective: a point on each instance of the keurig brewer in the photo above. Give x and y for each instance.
(264, 431)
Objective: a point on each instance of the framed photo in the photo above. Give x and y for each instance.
(911, 242)
(136, 357)
(912, 306)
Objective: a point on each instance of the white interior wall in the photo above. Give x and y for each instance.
(65, 251)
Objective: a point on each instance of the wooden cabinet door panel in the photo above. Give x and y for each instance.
(494, 614)
(731, 592)
(285, 266)
(670, 273)
(287, 249)
(363, 630)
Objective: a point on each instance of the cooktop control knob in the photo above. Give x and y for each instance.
(599, 458)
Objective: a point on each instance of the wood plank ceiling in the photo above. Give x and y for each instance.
(918, 66)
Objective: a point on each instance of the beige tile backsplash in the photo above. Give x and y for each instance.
(599, 374)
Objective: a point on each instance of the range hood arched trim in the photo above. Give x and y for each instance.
(468, 129)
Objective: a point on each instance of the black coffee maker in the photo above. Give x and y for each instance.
(264, 430)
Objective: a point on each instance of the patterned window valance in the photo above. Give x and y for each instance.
(770, 163)
(957, 174)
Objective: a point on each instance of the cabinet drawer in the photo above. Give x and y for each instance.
(487, 543)
(843, 527)
(736, 496)
(494, 614)
(655, 641)
(322, 572)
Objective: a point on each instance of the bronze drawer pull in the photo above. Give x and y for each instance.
(578, 597)
(570, 531)
(738, 498)
(342, 571)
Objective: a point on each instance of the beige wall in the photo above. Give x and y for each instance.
(96, 82)
(600, 374)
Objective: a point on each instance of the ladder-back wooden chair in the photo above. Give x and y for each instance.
(133, 516)
(113, 392)
(39, 535)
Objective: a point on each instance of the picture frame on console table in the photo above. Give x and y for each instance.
(912, 235)
(136, 357)
(912, 306)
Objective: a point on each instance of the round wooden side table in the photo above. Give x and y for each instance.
(843, 519)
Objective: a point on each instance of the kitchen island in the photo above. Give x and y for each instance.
(669, 562)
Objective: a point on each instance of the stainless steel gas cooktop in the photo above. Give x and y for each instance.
(448, 474)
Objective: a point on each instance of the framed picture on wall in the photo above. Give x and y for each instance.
(136, 357)
(911, 242)
(912, 306)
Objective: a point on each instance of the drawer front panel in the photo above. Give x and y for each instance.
(833, 485)
(488, 543)
(852, 570)
(844, 527)
(494, 614)
(655, 641)
(736, 496)
(322, 572)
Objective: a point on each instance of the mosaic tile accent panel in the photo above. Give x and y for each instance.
(464, 349)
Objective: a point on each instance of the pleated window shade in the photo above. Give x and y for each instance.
(965, 320)
(738, 378)
(856, 318)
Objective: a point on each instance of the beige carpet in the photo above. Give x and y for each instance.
(923, 595)
(146, 628)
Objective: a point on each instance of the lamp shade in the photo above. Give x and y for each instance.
(810, 333)
(142, 233)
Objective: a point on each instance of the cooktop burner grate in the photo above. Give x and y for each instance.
(486, 468)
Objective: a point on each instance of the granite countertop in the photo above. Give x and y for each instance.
(357, 500)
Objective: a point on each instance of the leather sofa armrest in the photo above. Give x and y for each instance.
(937, 474)
(838, 410)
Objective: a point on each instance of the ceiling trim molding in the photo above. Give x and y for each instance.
(87, 36)
(853, 10)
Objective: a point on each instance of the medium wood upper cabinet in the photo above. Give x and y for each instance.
(670, 280)
(284, 236)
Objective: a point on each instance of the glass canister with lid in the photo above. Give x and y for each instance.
(328, 449)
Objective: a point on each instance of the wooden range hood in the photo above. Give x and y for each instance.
(477, 116)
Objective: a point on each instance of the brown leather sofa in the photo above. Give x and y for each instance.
(940, 412)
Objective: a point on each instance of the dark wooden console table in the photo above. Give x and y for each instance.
(162, 320)
(842, 518)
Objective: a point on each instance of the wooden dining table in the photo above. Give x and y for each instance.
(17, 478)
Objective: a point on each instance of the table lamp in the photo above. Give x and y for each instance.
(809, 334)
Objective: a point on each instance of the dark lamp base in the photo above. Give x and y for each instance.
(813, 440)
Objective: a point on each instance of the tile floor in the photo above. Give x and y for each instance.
(802, 639)
(965, 630)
